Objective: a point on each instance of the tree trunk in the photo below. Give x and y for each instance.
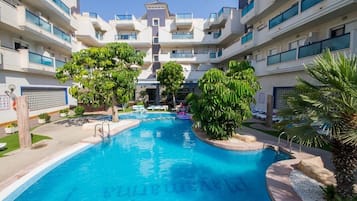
(115, 117)
(345, 161)
(173, 100)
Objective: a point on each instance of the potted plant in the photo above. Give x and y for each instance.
(43, 118)
(11, 128)
(64, 112)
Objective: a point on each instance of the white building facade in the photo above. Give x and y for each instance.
(277, 37)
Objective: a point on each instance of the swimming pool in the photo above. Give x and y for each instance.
(159, 160)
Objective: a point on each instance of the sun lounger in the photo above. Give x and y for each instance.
(158, 107)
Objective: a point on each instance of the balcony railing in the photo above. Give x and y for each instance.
(93, 15)
(282, 57)
(185, 16)
(291, 12)
(39, 59)
(61, 34)
(126, 37)
(217, 34)
(59, 63)
(181, 55)
(306, 4)
(182, 36)
(248, 8)
(36, 20)
(212, 55)
(123, 17)
(247, 37)
(62, 6)
(212, 17)
(224, 10)
(219, 53)
(336, 43)
(99, 35)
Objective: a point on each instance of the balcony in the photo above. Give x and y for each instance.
(124, 22)
(45, 31)
(212, 55)
(306, 4)
(248, 8)
(282, 57)
(217, 34)
(39, 59)
(126, 37)
(336, 43)
(246, 38)
(181, 55)
(291, 12)
(184, 20)
(182, 36)
(59, 63)
(62, 6)
(8, 14)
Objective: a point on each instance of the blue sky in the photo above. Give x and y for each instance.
(108, 8)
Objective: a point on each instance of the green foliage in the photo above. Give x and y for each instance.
(104, 74)
(44, 116)
(330, 194)
(12, 125)
(225, 100)
(333, 102)
(79, 110)
(65, 111)
(171, 77)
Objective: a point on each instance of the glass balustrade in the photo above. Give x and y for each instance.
(291, 12)
(123, 17)
(306, 4)
(36, 20)
(39, 59)
(217, 34)
(184, 16)
(282, 57)
(93, 15)
(247, 8)
(61, 34)
(182, 35)
(335, 43)
(181, 55)
(247, 37)
(212, 55)
(59, 63)
(62, 6)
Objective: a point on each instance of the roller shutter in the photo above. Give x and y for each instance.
(44, 98)
(279, 96)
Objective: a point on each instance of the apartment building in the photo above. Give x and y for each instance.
(283, 36)
(277, 37)
(195, 43)
(36, 37)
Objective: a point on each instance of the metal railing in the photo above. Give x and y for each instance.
(101, 129)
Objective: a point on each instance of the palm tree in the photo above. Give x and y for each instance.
(334, 102)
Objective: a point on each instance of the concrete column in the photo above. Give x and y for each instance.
(157, 97)
(269, 118)
(353, 41)
(23, 121)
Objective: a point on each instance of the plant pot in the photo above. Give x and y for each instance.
(63, 114)
(11, 130)
(41, 121)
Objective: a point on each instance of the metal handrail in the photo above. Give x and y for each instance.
(281, 134)
(102, 129)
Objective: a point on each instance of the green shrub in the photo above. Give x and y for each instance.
(330, 194)
(45, 116)
(12, 125)
(79, 110)
(64, 111)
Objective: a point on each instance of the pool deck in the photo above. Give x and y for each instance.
(67, 137)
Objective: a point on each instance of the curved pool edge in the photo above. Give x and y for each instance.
(23, 179)
(277, 175)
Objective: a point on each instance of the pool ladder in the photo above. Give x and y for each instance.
(101, 129)
(289, 141)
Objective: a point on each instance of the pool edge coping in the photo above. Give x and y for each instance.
(20, 181)
(273, 172)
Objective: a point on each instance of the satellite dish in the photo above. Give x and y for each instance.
(11, 87)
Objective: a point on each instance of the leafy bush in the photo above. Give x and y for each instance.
(45, 116)
(79, 110)
(12, 125)
(65, 111)
(330, 194)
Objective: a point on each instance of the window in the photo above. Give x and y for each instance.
(297, 43)
(273, 51)
(337, 31)
(156, 58)
(259, 57)
(280, 94)
(155, 40)
(155, 21)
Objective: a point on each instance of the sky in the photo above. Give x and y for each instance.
(106, 9)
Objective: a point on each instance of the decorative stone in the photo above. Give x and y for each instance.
(245, 138)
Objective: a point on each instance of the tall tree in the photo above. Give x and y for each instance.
(333, 103)
(171, 77)
(225, 99)
(103, 75)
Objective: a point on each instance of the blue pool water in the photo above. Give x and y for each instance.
(159, 160)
